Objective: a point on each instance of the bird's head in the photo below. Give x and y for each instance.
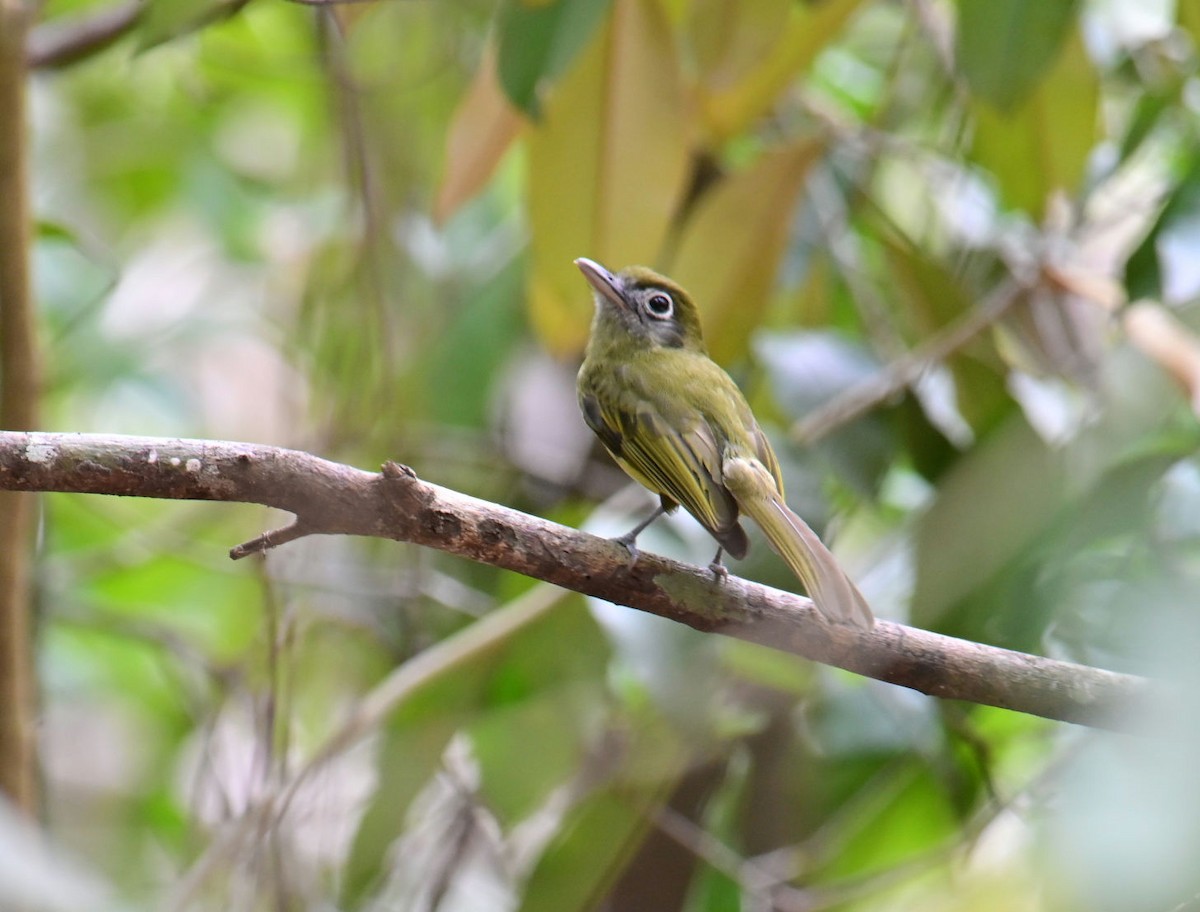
(647, 306)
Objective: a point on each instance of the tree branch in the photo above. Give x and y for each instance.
(330, 498)
(59, 44)
(19, 393)
(855, 401)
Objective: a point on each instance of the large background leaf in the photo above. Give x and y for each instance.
(1004, 48)
(538, 40)
(731, 248)
(1029, 161)
(607, 166)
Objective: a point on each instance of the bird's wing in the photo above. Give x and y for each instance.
(678, 458)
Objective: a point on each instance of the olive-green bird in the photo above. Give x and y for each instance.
(678, 424)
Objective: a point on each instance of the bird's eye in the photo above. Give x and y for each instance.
(659, 304)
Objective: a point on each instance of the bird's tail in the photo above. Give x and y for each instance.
(831, 590)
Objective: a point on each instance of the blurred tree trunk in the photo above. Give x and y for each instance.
(660, 875)
(18, 411)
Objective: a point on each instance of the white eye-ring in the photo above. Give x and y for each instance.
(659, 305)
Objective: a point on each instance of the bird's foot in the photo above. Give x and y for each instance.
(629, 543)
(719, 570)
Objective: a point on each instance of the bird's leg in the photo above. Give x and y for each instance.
(719, 570)
(628, 541)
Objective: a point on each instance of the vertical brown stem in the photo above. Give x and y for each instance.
(19, 385)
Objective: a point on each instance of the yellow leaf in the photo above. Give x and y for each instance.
(481, 131)
(730, 109)
(1042, 147)
(1188, 13)
(729, 38)
(731, 246)
(608, 164)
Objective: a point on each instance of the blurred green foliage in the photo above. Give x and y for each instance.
(349, 228)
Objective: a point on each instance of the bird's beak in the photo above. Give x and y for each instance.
(603, 281)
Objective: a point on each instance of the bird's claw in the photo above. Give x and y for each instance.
(628, 543)
(717, 566)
